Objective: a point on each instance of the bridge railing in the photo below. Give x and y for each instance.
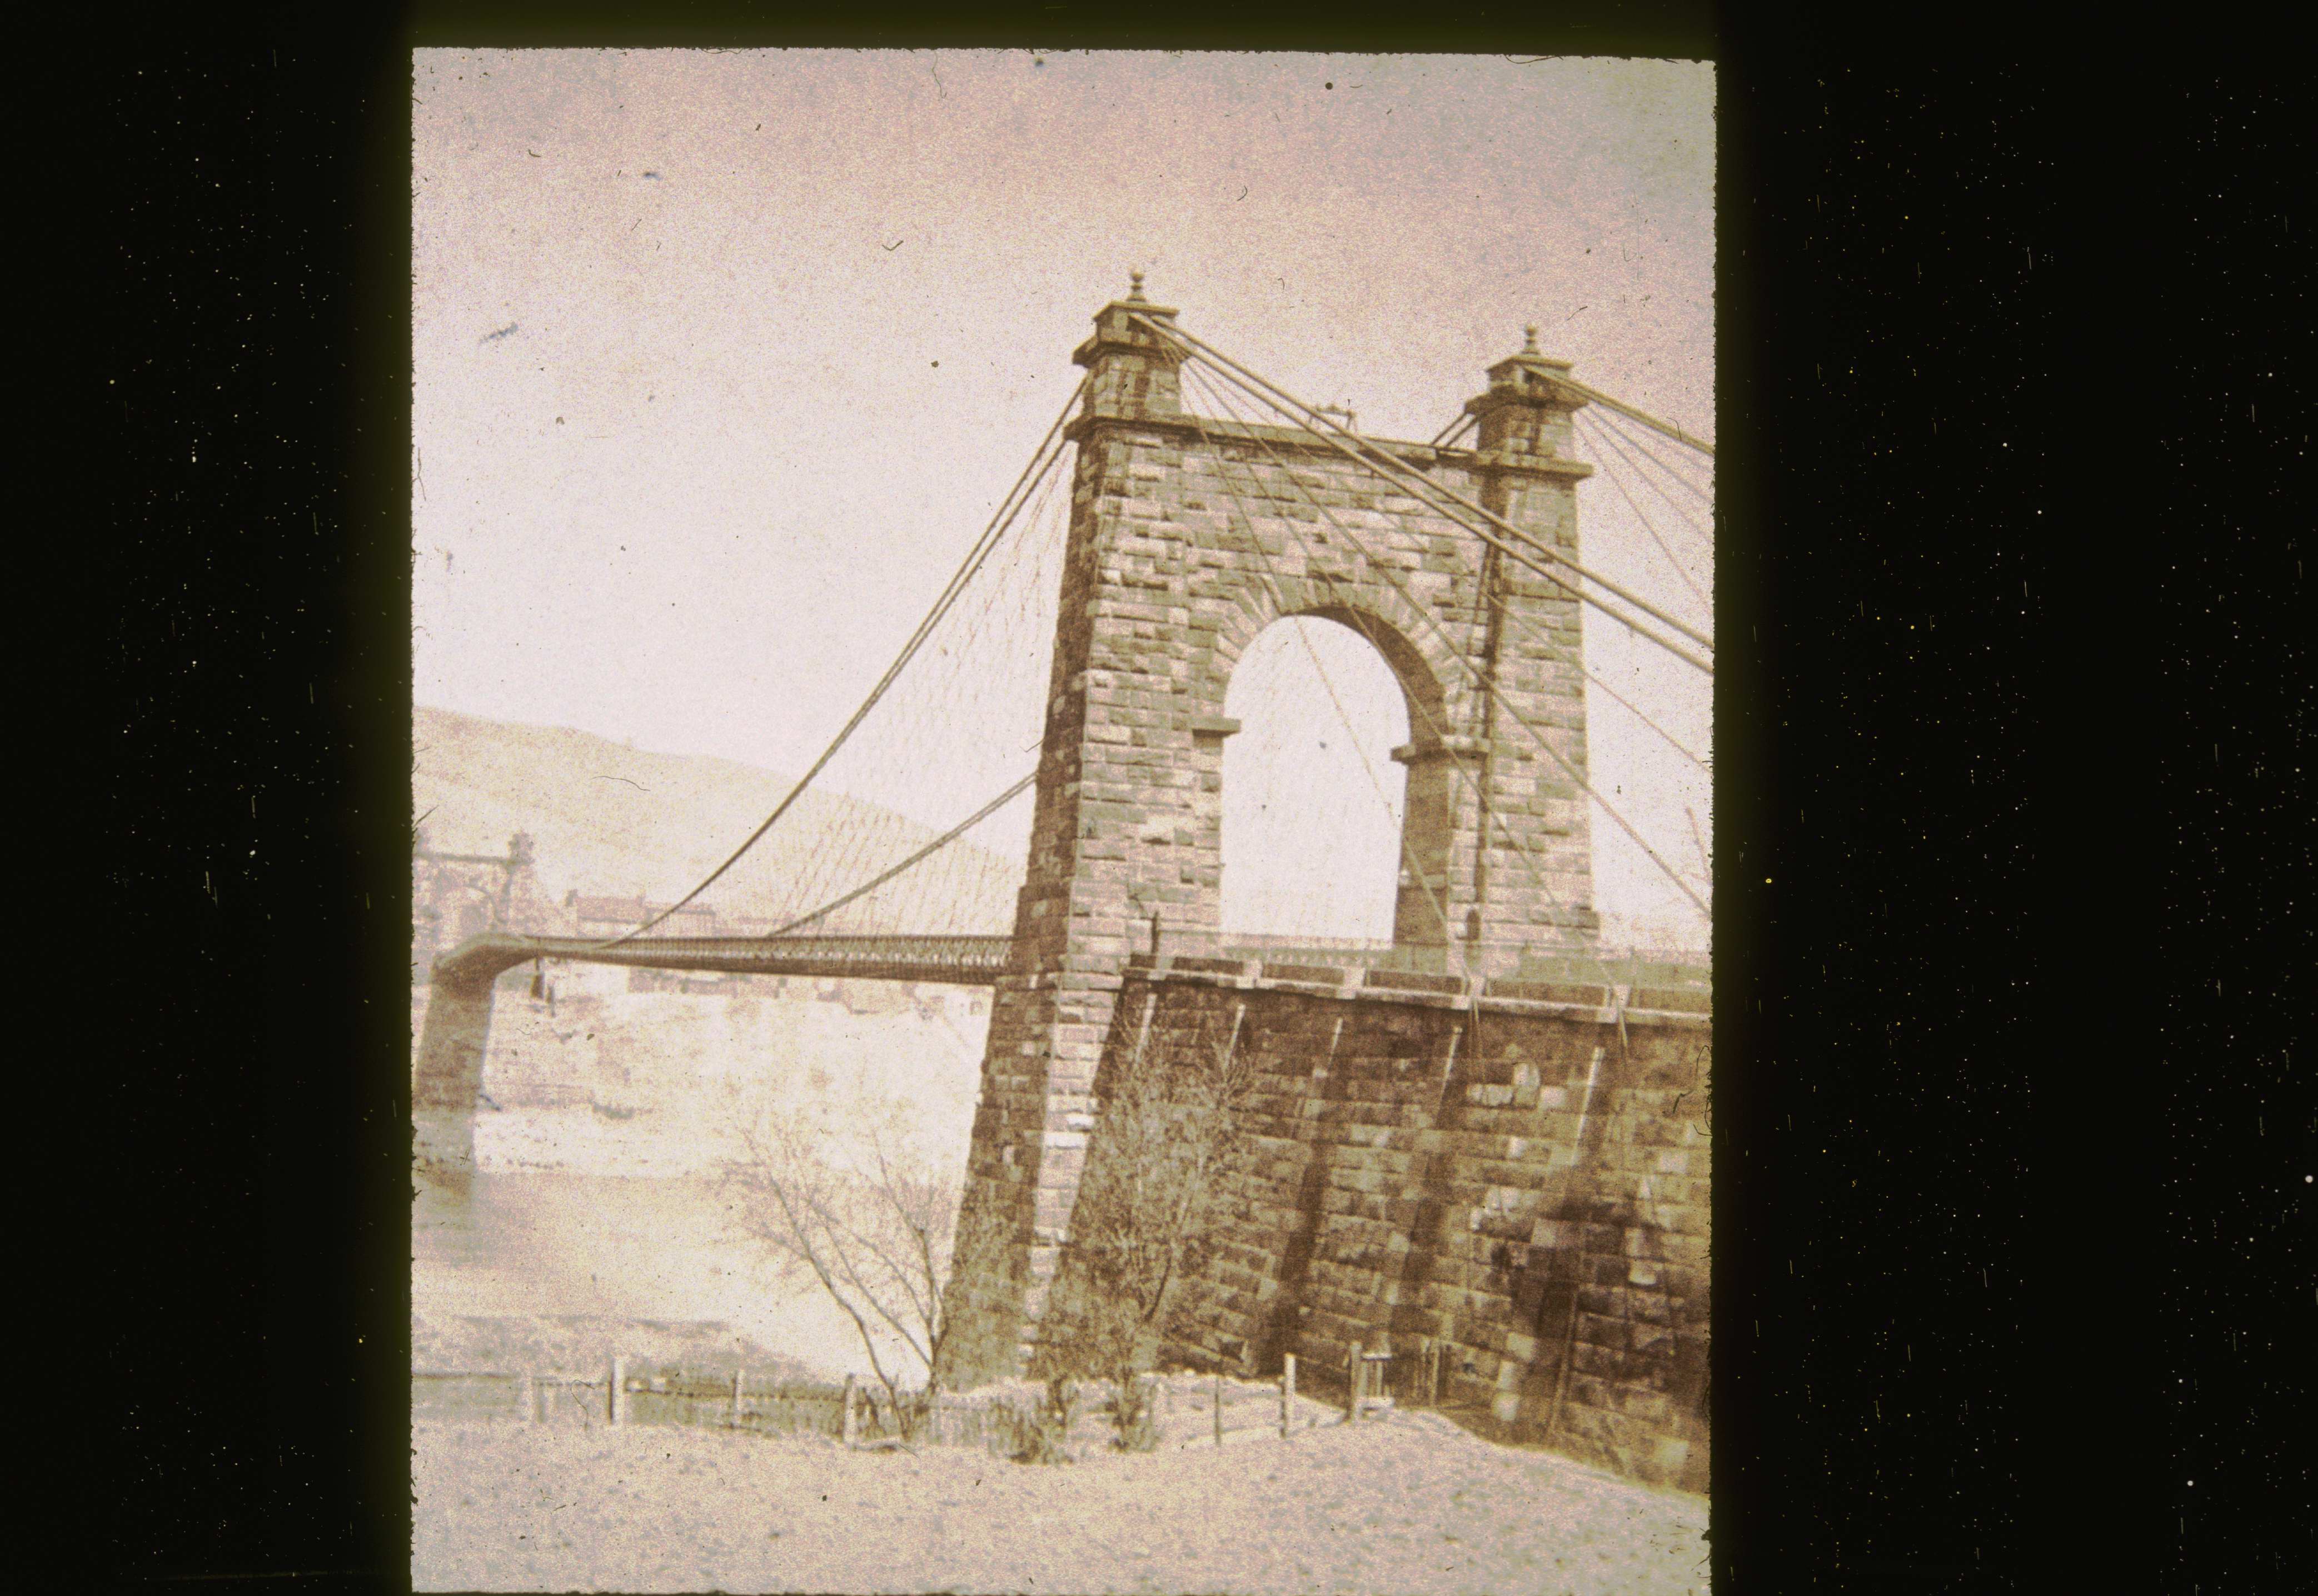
(1612, 962)
(937, 958)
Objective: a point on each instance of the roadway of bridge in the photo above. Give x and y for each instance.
(946, 960)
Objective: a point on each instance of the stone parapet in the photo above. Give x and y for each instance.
(1520, 1179)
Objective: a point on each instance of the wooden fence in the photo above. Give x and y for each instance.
(1186, 1409)
(853, 1412)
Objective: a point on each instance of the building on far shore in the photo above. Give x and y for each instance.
(616, 916)
(455, 896)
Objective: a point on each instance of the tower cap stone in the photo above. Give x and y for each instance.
(1529, 371)
(1116, 329)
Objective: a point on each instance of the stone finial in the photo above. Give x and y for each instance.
(1529, 339)
(1135, 286)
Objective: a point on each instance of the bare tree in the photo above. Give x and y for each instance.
(1161, 1186)
(847, 1201)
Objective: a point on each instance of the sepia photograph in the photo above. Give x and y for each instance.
(1088, 909)
(1062, 842)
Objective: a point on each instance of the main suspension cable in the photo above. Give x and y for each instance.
(1449, 647)
(1041, 460)
(1351, 733)
(938, 843)
(1536, 734)
(1644, 416)
(1411, 482)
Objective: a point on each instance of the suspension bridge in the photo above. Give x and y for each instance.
(1043, 757)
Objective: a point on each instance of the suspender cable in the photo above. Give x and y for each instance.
(1401, 476)
(944, 840)
(1536, 735)
(1615, 440)
(1528, 857)
(1438, 905)
(1615, 481)
(1645, 451)
(1537, 874)
(1040, 462)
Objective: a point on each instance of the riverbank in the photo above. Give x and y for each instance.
(1408, 1504)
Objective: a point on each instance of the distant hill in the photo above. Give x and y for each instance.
(612, 820)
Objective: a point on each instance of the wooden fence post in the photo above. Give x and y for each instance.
(736, 1399)
(529, 1397)
(852, 1422)
(1220, 1407)
(619, 1383)
(1353, 1374)
(1287, 1396)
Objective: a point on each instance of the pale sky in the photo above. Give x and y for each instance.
(723, 359)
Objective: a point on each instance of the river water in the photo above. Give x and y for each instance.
(607, 1208)
(546, 1243)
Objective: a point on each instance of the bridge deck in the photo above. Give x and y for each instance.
(954, 961)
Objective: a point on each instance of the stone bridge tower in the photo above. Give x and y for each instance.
(1165, 584)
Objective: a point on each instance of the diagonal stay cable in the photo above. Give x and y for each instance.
(1705, 495)
(1538, 736)
(1644, 416)
(938, 843)
(1514, 615)
(1574, 943)
(1679, 568)
(1380, 463)
(1352, 732)
(1634, 710)
(1041, 461)
(1411, 482)
(1420, 484)
(1518, 555)
(1612, 438)
(1529, 859)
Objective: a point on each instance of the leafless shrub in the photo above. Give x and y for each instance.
(1047, 1441)
(847, 1202)
(1159, 1190)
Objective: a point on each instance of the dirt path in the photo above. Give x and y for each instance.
(1406, 1505)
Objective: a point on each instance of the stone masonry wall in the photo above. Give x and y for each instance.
(1188, 535)
(1412, 1167)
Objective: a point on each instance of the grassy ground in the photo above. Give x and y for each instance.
(585, 1344)
(1406, 1504)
